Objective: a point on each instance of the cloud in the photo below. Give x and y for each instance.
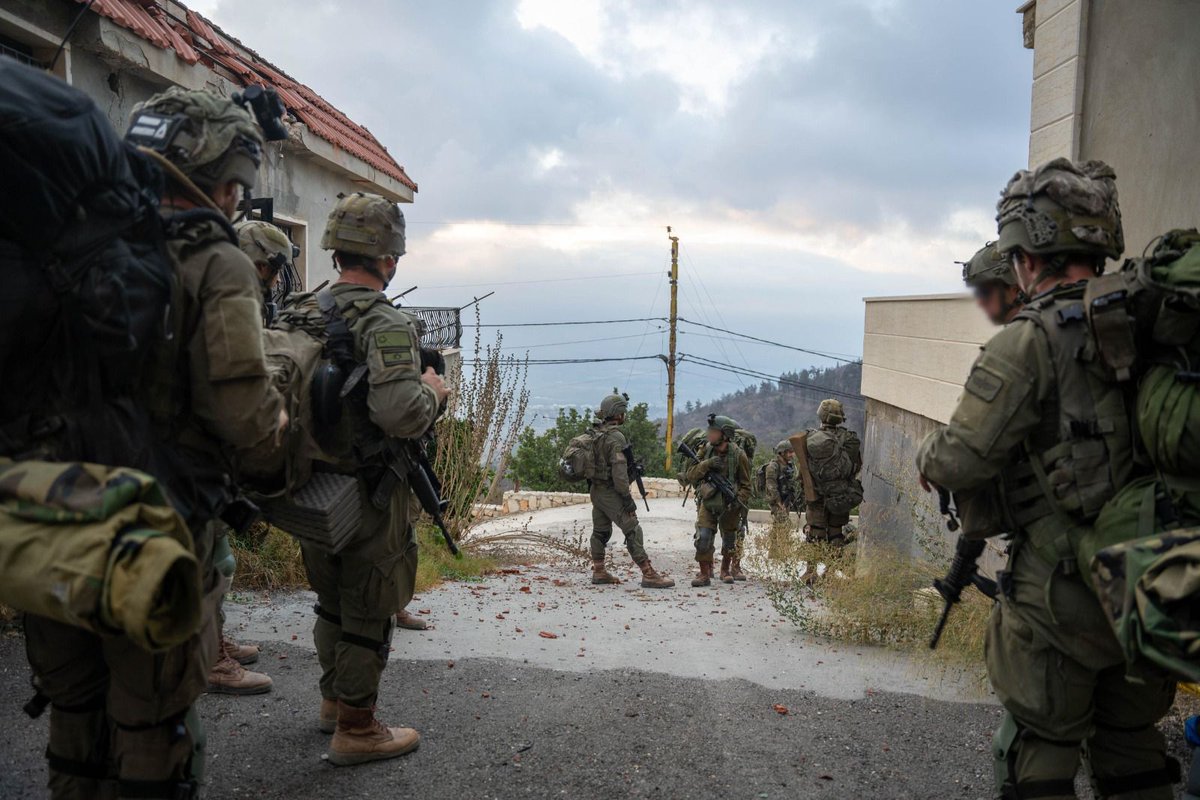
(809, 153)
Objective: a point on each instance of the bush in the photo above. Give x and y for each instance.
(535, 463)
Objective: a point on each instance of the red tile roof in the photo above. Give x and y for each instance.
(196, 40)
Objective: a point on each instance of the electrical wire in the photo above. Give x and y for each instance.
(830, 356)
(532, 361)
(552, 324)
(750, 373)
(542, 280)
(576, 341)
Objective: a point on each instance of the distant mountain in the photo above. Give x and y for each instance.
(773, 411)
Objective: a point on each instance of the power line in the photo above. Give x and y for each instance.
(577, 341)
(473, 361)
(542, 280)
(750, 373)
(551, 324)
(777, 344)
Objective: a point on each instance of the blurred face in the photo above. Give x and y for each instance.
(226, 196)
(715, 437)
(788, 456)
(997, 300)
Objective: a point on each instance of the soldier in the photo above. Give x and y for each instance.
(361, 588)
(720, 458)
(834, 459)
(1039, 414)
(612, 499)
(779, 489)
(271, 251)
(990, 277)
(120, 712)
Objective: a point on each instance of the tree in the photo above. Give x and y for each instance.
(535, 463)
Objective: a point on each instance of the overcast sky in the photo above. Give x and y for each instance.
(808, 154)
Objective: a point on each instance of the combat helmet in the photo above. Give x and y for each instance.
(988, 265)
(263, 242)
(613, 406)
(365, 225)
(211, 139)
(1062, 207)
(831, 412)
(724, 424)
(784, 447)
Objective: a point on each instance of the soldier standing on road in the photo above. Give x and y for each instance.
(720, 456)
(1040, 413)
(612, 499)
(990, 277)
(834, 457)
(361, 588)
(779, 489)
(122, 721)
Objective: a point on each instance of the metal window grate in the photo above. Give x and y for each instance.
(440, 327)
(25, 56)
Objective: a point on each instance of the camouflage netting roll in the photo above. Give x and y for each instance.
(98, 548)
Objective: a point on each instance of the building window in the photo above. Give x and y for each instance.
(20, 51)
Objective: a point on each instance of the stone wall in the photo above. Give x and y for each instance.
(528, 501)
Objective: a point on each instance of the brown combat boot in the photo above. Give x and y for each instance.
(227, 676)
(725, 561)
(704, 578)
(735, 569)
(244, 654)
(600, 575)
(409, 622)
(652, 579)
(360, 738)
(327, 719)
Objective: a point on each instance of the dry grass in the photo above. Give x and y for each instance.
(884, 606)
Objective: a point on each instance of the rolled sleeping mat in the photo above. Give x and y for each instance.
(99, 548)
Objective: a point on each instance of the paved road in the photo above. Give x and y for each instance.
(679, 704)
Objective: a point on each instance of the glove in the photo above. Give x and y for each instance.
(629, 505)
(714, 463)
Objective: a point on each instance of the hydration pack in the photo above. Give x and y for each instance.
(834, 472)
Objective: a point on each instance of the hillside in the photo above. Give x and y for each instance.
(773, 411)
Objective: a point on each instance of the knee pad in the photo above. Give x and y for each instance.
(729, 542)
(1006, 743)
(705, 539)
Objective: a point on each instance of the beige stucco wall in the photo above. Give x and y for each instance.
(917, 350)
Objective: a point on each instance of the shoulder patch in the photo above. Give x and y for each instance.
(395, 347)
(984, 384)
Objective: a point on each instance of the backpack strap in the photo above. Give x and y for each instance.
(1106, 300)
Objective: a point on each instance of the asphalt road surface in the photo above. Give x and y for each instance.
(673, 694)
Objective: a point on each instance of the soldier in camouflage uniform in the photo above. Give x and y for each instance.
(990, 278)
(122, 719)
(823, 524)
(612, 499)
(271, 251)
(361, 588)
(779, 490)
(722, 457)
(1039, 413)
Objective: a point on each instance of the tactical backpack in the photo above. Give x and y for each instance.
(87, 277)
(833, 469)
(759, 484)
(578, 462)
(1141, 555)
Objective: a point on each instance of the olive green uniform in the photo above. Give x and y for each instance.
(360, 589)
(612, 499)
(116, 707)
(824, 525)
(780, 479)
(1035, 414)
(713, 514)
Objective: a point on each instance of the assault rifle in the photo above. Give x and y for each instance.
(406, 458)
(964, 569)
(717, 481)
(636, 471)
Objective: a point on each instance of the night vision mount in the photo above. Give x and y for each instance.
(267, 108)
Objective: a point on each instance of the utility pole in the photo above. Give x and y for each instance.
(674, 273)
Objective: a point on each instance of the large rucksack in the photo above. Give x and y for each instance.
(1142, 547)
(759, 484)
(833, 469)
(578, 462)
(87, 280)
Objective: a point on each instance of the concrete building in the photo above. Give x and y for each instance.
(120, 52)
(1112, 80)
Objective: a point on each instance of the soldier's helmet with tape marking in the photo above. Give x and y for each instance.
(365, 225)
(831, 412)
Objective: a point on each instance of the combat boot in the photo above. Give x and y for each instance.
(244, 654)
(600, 575)
(725, 561)
(227, 676)
(652, 579)
(327, 719)
(704, 578)
(360, 738)
(735, 569)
